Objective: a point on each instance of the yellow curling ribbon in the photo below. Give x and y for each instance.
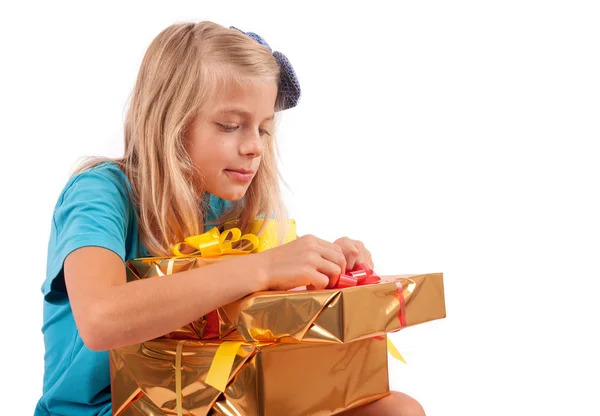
(213, 243)
(218, 374)
(394, 351)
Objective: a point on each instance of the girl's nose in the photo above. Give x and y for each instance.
(252, 144)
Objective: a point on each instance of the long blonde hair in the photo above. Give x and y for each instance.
(180, 74)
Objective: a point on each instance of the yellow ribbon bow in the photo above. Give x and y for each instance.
(214, 243)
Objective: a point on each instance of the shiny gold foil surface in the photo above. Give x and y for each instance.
(326, 316)
(337, 316)
(266, 379)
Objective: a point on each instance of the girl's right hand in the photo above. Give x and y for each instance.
(306, 261)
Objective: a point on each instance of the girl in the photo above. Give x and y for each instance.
(199, 150)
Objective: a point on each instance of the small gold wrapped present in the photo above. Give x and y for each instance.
(335, 315)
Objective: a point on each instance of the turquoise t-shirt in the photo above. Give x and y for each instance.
(94, 209)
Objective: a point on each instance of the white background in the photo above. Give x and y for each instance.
(456, 137)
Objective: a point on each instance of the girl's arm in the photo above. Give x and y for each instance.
(110, 313)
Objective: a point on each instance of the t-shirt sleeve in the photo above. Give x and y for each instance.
(93, 210)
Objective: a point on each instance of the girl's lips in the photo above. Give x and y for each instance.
(240, 175)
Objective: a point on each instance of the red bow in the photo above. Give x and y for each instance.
(361, 275)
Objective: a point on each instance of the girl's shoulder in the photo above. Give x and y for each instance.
(105, 178)
(108, 171)
(102, 190)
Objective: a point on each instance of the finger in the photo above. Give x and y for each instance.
(352, 254)
(333, 253)
(364, 256)
(369, 259)
(349, 250)
(331, 270)
(317, 280)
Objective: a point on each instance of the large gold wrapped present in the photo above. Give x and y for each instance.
(265, 379)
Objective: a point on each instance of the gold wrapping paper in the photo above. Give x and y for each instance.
(339, 316)
(266, 379)
(332, 315)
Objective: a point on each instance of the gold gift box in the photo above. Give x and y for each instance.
(331, 315)
(302, 352)
(335, 316)
(265, 379)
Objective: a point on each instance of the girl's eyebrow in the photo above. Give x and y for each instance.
(241, 112)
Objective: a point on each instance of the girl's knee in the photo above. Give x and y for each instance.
(406, 405)
(396, 404)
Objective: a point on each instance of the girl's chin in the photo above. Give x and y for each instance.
(230, 194)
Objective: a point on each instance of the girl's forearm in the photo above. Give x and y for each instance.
(138, 311)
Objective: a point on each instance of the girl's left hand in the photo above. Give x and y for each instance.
(354, 252)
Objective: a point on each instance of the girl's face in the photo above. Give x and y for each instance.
(226, 142)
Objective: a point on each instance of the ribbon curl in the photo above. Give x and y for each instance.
(364, 275)
(214, 243)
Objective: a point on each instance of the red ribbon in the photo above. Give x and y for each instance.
(361, 275)
(400, 296)
(364, 275)
(211, 329)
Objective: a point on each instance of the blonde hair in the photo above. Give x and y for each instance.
(182, 71)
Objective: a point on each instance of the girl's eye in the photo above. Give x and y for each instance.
(264, 132)
(228, 128)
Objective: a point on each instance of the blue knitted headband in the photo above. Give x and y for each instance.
(289, 87)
